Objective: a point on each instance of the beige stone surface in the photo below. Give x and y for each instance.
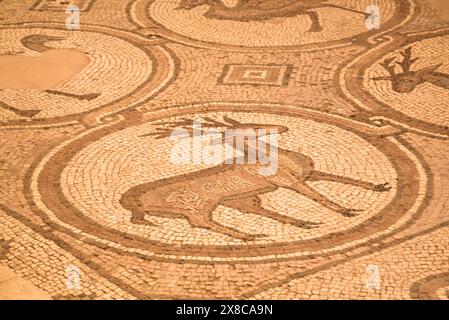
(13, 287)
(99, 201)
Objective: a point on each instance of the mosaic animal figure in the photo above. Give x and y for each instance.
(408, 80)
(196, 195)
(42, 73)
(259, 10)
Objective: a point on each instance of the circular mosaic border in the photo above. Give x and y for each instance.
(50, 200)
(360, 92)
(163, 60)
(140, 16)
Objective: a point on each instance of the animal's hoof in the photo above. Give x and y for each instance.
(90, 96)
(316, 29)
(143, 222)
(350, 212)
(384, 187)
(28, 113)
(307, 224)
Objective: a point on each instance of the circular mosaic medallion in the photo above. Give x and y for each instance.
(49, 73)
(405, 81)
(267, 23)
(333, 188)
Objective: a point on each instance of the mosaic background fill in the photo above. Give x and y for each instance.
(358, 206)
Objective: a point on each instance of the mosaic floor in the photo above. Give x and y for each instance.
(93, 207)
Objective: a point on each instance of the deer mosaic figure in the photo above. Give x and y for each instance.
(408, 80)
(247, 10)
(41, 73)
(196, 195)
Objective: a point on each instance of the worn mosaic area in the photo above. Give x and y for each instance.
(94, 207)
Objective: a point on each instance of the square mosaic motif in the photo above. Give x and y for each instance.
(268, 75)
(61, 5)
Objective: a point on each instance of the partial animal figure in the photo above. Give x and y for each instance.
(407, 80)
(41, 73)
(247, 10)
(195, 196)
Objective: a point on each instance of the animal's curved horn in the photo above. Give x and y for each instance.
(386, 64)
(407, 62)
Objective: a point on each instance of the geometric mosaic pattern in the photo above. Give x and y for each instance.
(93, 205)
(270, 75)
